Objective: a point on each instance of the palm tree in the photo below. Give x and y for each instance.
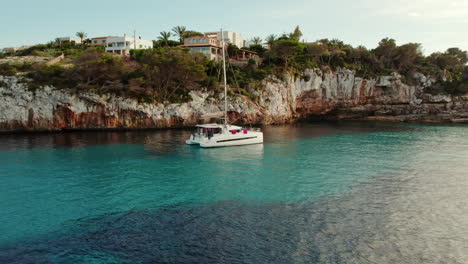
(270, 39)
(257, 40)
(164, 38)
(81, 35)
(180, 32)
(58, 42)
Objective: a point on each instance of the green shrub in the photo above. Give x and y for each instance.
(48, 75)
(31, 50)
(449, 88)
(137, 54)
(210, 82)
(244, 92)
(7, 69)
(259, 49)
(25, 67)
(70, 52)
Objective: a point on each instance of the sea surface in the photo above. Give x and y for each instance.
(313, 193)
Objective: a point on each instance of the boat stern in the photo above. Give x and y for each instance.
(191, 142)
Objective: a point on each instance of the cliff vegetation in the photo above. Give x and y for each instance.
(168, 73)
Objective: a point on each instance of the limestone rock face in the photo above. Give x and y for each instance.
(337, 95)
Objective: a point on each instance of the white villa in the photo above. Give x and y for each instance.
(123, 45)
(70, 40)
(229, 36)
(210, 44)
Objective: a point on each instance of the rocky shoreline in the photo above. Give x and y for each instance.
(339, 95)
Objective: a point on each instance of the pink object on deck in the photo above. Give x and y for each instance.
(233, 132)
(245, 131)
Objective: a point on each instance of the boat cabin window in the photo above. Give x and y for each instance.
(215, 130)
(208, 131)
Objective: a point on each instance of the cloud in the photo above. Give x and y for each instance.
(437, 11)
(414, 14)
(283, 12)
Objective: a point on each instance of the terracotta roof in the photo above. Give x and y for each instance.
(248, 51)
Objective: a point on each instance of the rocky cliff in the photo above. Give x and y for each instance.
(313, 93)
(343, 95)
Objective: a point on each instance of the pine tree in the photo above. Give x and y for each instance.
(297, 34)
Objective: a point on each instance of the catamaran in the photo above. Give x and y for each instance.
(224, 135)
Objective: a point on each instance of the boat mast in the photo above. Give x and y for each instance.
(225, 80)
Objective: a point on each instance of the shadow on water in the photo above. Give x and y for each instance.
(410, 209)
(163, 140)
(384, 220)
(321, 129)
(224, 232)
(89, 138)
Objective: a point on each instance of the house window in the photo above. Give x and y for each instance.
(95, 42)
(141, 46)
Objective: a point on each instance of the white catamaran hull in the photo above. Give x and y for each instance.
(232, 140)
(192, 142)
(226, 140)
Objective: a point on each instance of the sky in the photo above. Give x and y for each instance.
(436, 24)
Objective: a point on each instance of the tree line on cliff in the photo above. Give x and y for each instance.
(169, 73)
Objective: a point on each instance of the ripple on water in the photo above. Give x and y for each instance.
(328, 193)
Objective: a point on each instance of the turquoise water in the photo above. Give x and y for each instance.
(58, 192)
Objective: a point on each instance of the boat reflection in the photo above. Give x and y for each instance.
(249, 152)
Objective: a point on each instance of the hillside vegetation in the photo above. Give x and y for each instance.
(168, 73)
